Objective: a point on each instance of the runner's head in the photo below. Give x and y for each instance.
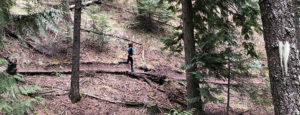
(130, 45)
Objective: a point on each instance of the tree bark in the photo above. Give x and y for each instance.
(74, 92)
(189, 48)
(296, 20)
(283, 60)
(228, 86)
(12, 67)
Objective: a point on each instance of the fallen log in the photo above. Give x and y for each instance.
(159, 79)
(88, 3)
(81, 63)
(143, 76)
(50, 73)
(89, 31)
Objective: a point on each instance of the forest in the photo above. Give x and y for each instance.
(149, 57)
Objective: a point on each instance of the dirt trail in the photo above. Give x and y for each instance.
(111, 67)
(156, 75)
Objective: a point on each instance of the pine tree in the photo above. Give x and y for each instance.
(74, 91)
(149, 12)
(296, 19)
(189, 49)
(215, 27)
(283, 60)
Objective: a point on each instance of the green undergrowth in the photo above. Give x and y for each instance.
(15, 98)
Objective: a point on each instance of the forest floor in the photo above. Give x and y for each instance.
(108, 88)
(115, 90)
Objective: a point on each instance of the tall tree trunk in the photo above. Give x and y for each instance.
(189, 49)
(296, 20)
(228, 86)
(281, 46)
(74, 91)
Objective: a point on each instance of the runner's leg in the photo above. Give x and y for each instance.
(131, 64)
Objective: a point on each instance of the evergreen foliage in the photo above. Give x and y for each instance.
(154, 8)
(36, 23)
(12, 95)
(5, 5)
(12, 100)
(216, 24)
(3, 62)
(150, 10)
(1, 43)
(100, 25)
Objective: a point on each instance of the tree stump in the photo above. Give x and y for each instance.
(12, 67)
(153, 110)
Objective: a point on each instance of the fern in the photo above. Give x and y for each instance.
(34, 23)
(1, 43)
(5, 5)
(16, 107)
(3, 62)
(11, 101)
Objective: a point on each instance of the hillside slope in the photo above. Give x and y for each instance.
(109, 88)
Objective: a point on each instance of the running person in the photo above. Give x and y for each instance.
(129, 59)
(130, 53)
